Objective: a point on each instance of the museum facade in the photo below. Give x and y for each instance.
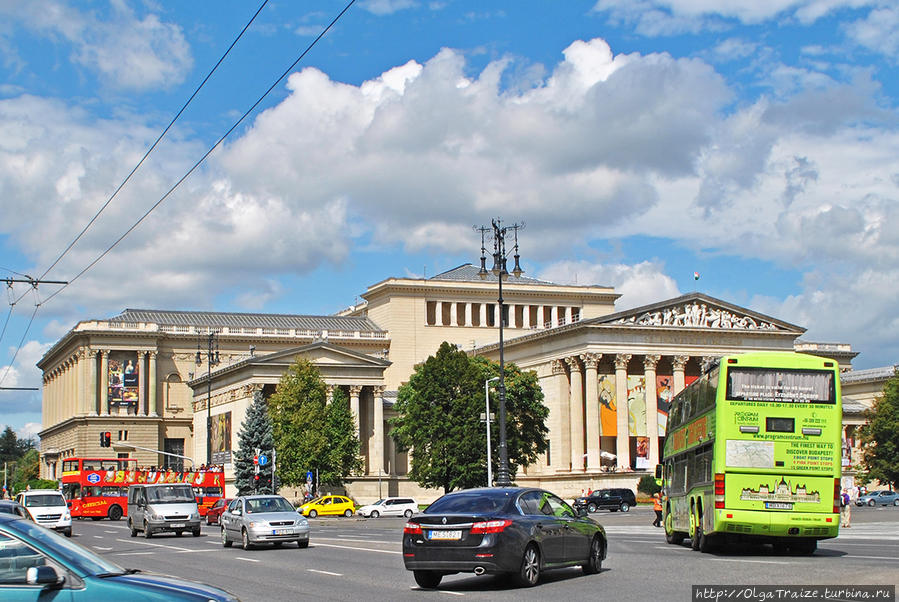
(606, 375)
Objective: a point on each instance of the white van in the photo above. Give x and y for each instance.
(162, 507)
(47, 507)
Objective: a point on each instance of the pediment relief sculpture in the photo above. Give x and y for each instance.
(697, 315)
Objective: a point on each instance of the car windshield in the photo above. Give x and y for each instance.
(170, 494)
(480, 502)
(378, 503)
(49, 499)
(268, 504)
(62, 548)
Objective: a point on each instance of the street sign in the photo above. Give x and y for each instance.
(309, 476)
(255, 459)
(263, 460)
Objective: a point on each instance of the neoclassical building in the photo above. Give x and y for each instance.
(606, 376)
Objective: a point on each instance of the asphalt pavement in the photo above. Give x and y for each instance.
(361, 559)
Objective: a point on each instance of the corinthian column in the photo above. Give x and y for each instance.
(355, 390)
(679, 362)
(560, 434)
(153, 403)
(376, 450)
(652, 407)
(104, 382)
(591, 360)
(577, 414)
(623, 441)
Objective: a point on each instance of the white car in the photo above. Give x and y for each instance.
(48, 508)
(390, 506)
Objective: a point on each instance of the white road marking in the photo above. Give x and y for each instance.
(452, 593)
(247, 559)
(156, 545)
(331, 545)
(97, 536)
(871, 557)
(325, 572)
(756, 561)
(104, 549)
(133, 553)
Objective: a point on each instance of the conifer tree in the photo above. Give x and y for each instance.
(255, 432)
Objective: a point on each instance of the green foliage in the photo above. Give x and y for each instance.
(880, 436)
(255, 432)
(11, 447)
(26, 471)
(439, 417)
(308, 434)
(648, 485)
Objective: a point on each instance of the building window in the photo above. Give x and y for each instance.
(123, 435)
(431, 313)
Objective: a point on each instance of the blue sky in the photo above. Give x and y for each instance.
(640, 141)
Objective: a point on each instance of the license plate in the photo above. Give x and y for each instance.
(448, 535)
(779, 505)
(281, 532)
(177, 525)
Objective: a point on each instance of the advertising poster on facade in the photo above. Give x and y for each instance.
(123, 378)
(636, 406)
(664, 393)
(608, 414)
(221, 438)
(642, 453)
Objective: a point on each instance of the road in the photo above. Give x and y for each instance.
(360, 559)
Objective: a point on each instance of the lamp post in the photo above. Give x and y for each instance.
(499, 270)
(487, 420)
(212, 359)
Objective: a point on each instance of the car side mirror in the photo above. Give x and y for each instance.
(43, 575)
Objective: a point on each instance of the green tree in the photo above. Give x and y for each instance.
(648, 485)
(308, 433)
(880, 436)
(12, 448)
(439, 418)
(343, 444)
(255, 433)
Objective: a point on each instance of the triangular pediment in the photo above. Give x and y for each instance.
(321, 353)
(696, 310)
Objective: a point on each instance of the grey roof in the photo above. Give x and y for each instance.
(469, 273)
(874, 374)
(240, 320)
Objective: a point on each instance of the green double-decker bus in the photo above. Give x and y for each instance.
(753, 453)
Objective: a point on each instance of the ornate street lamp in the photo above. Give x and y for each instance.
(499, 270)
(212, 359)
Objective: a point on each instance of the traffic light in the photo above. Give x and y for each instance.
(106, 439)
(256, 479)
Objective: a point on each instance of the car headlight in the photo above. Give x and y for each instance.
(302, 521)
(194, 515)
(257, 523)
(66, 516)
(152, 513)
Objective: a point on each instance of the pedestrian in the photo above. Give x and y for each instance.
(845, 509)
(657, 507)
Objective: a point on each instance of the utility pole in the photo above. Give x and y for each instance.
(212, 359)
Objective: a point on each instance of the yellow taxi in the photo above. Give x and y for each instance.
(328, 505)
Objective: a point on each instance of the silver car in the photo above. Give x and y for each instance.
(255, 519)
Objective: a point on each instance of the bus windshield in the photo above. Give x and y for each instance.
(781, 385)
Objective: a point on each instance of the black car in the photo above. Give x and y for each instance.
(607, 499)
(15, 508)
(517, 531)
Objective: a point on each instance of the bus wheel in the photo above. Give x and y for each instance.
(671, 536)
(696, 538)
(708, 543)
(115, 512)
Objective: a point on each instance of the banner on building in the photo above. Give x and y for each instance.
(123, 378)
(664, 395)
(221, 438)
(608, 409)
(636, 406)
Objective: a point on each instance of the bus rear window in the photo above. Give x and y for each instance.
(781, 385)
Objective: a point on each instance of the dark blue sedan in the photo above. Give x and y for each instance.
(505, 530)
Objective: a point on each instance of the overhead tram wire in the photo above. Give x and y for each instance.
(189, 172)
(139, 163)
(131, 173)
(158, 140)
(205, 155)
(25, 334)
